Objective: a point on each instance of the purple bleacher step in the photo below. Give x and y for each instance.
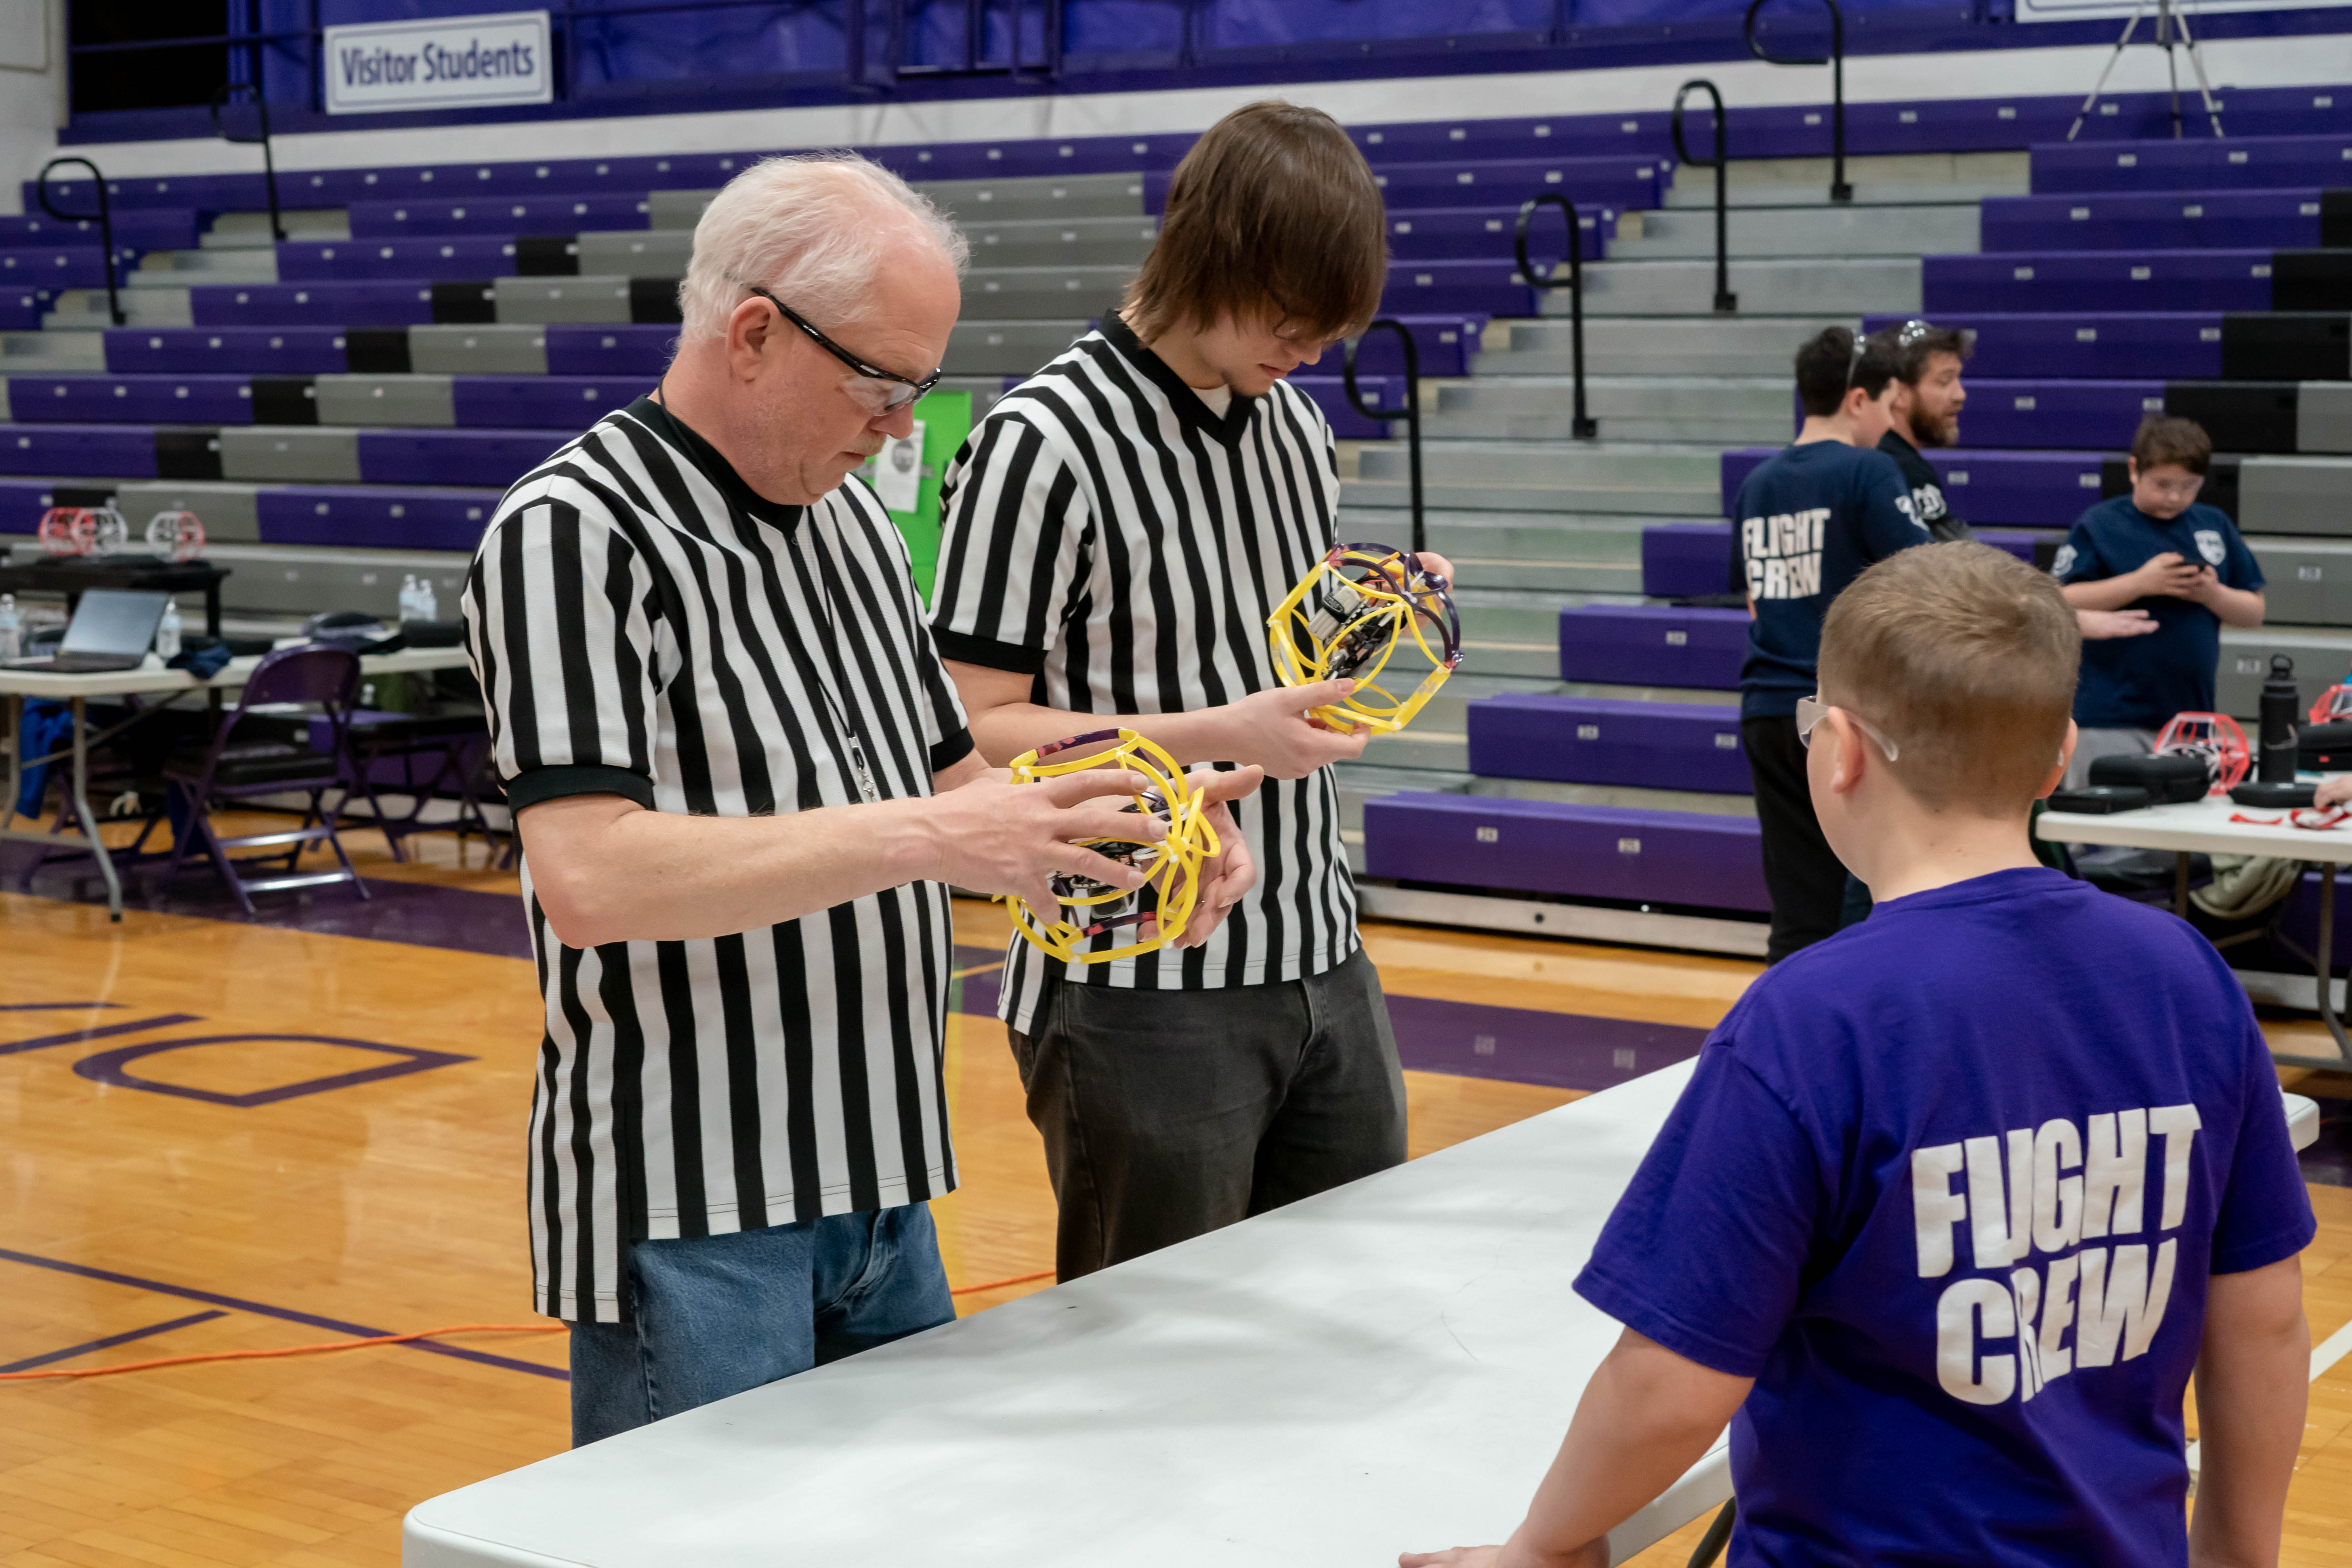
(243, 350)
(2172, 220)
(490, 458)
(375, 518)
(2177, 345)
(1600, 741)
(131, 400)
(52, 266)
(2050, 413)
(570, 213)
(1678, 858)
(389, 303)
(1653, 645)
(2237, 162)
(2101, 280)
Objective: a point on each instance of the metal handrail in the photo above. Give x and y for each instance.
(1411, 412)
(1839, 190)
(1581, 426)
(268, 159)
(1726, 302)
(105, 222)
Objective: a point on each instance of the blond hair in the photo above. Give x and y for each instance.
(1966, 657)
(815, 229)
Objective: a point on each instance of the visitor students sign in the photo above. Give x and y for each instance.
(442, 63)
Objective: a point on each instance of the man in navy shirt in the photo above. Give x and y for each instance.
(2158, 549)
(1956, 1200)
(1807, 523)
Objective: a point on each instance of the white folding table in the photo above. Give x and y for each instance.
(18, 686)
(2206, 826)
(1387, 1366)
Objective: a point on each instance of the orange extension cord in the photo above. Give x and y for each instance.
(392, 1340)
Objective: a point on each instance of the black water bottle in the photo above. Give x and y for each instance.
(2278, 756)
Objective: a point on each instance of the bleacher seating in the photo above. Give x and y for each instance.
(349, 401)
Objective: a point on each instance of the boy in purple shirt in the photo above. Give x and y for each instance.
(1956, 1200)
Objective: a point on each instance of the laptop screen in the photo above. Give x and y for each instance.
(109, 620)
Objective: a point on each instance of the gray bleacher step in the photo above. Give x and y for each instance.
(387, 401)
(1038, 196)
(2310, 580)
(1067, 242)
(1661, 480)
(1361, 782)
(1748, 344)
(1905, 177)
(2297, 495)
(250, 231)
(181, 268)
(84, 309)
(280, 579)
(1448, 710)
(478, 350)
(230, 510)
(1561, 552)
(27, 352)
(1827, 229)
(1043, 293)
(992, 347)
(675, 209)
(1517, 631)
(289, 454)
(1705, 697)
(984, 389)
(1831, 288)
(1629, 797)
(637, 253)
(1420, 748)
(1724, 410)
(587, 299)
(2322, 655)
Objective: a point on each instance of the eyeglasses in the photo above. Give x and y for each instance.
(1809, 712)
(867, 389)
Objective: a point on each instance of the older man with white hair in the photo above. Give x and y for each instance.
(741, 776)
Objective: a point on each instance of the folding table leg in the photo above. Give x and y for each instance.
(89, 818)
(2325, 958)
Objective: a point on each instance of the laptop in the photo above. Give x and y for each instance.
(111, 629)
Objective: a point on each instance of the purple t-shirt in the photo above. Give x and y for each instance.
(1948, 1185)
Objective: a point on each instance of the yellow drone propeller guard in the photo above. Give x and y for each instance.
(1300, 659)
(1175, 863)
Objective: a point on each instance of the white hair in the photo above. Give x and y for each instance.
(815, 229)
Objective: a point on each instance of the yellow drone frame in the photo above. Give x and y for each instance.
(1172, 863)
(1346, 620)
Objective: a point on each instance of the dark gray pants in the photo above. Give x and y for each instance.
(1167, 1114)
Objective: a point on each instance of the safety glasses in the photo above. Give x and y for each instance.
(1809, 710)
(877, 391)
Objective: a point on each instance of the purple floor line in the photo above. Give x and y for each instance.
(285, 1314)
(110, 1341)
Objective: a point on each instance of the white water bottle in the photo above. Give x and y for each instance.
(428, 608)
(408, 597)
(12, 628)
(167, 632)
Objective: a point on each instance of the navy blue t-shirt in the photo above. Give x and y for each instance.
(1809, 522)
(2139, 683)
(1948, 1186)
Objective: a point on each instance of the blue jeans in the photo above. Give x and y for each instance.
(718, 1314)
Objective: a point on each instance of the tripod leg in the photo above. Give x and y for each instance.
(2101, 85)
(2164, 24)
(2204, 88)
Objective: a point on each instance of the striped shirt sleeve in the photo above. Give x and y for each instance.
(945, 727)
(560, 629)
(1016, 544)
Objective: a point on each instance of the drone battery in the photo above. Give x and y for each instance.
(1342, 605)
(2274, 797)
(2168, 777)
(2101, 800)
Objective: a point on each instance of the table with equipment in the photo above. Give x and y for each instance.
(2209, 826)
(1387, 1366)
(76, 691)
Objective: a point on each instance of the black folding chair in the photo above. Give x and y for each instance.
(231, 770)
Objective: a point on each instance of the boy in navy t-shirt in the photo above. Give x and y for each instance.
(2159, 549)
(1806, 524)
(1955, 1201)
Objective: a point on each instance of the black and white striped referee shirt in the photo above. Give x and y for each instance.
(643, 625)
(1109, 534)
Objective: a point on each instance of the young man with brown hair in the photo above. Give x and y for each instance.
(1956, 1200)
(2161, 550)
(1926, 411)
(1118, 530)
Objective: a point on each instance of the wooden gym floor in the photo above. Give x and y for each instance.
(222, 1134)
